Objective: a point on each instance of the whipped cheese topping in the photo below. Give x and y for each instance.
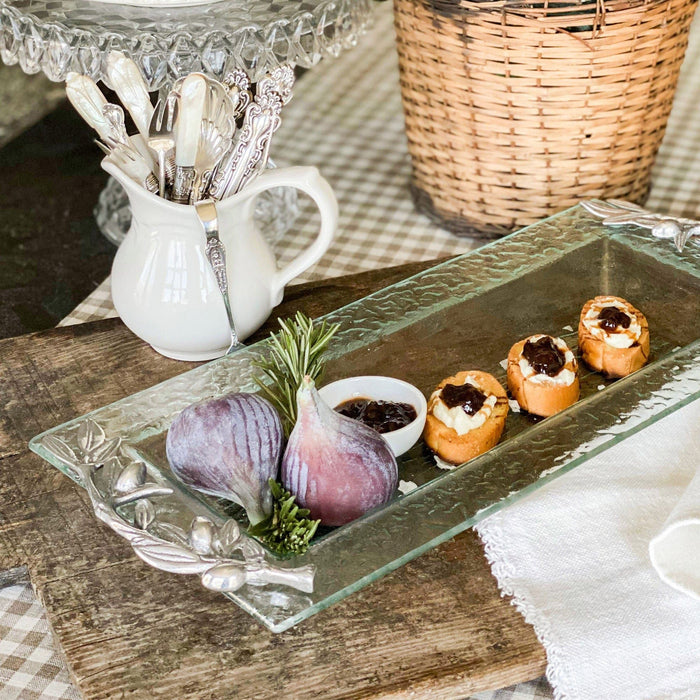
(620, 337)
(564, 377)
(457, 418)
(444, 464)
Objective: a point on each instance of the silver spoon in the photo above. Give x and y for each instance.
(212, 148)
(216, 254)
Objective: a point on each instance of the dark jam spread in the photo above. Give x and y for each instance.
(610, 318)
(544, 356)
(469, 397)
(383, 416)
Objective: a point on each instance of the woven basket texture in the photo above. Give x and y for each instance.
(515, 111)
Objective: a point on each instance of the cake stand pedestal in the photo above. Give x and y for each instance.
(60, 36)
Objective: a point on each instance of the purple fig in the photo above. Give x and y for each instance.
(337, 467)
(229, 447)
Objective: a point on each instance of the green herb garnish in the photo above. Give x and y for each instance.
(294, 352)
(287, 530)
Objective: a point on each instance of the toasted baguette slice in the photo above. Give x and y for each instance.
(455, 448)
(542, 399)
(615, 362)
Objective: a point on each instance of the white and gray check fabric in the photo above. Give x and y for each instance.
(346, 119)
(30, 667)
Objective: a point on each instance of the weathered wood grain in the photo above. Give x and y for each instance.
(436, 628)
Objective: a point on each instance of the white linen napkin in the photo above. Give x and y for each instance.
(675, 551)
(575, 557)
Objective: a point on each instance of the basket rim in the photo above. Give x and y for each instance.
(542, 9)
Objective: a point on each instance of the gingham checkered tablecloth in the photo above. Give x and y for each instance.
(346, 119)
(30, 666)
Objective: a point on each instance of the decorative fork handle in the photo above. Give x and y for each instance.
(170, 168)
(151, 183)
(237, 169)
(182, 184)
(262, 119)
(200, 188)
(216, 254)
(114, 116)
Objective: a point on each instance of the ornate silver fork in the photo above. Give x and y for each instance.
(216, 254)
(237, 85)
(250, 152)
(161, 136)
(131, 162)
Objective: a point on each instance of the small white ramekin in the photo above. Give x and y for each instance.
(380, 388)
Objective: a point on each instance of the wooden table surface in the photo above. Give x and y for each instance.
(436, 628)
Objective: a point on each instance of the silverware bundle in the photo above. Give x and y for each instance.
(204, 140)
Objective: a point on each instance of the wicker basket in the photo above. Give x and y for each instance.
(517, 110)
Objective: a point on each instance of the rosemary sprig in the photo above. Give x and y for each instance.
(295, 351)
(287, 530)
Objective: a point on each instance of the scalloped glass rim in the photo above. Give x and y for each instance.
(157, 3)
(529, 456)
(167, 41)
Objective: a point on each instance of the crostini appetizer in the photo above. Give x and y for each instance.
(542, 375)
(466, 416)
(613, 336)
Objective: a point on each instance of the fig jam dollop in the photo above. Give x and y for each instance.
(544, 356)
(383, 416)
(610, 318)
(469, 397)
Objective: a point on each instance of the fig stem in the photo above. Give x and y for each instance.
(288, 530)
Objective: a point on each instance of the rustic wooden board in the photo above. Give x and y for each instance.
(436, 628)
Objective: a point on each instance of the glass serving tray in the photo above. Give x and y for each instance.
(462, 314)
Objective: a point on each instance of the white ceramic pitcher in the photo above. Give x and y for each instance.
(163, 286)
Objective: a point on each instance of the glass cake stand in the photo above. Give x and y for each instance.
(60, 36)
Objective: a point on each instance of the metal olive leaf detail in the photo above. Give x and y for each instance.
(206, 549)
(615, 212)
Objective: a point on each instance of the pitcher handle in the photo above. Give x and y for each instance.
(311, 182)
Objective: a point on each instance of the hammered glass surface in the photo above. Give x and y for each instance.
(58, 36)
(465, 313)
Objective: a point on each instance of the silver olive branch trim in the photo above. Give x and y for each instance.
(205, 550)
(615, 212)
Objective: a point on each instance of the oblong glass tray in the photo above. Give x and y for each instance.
(462, 314)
